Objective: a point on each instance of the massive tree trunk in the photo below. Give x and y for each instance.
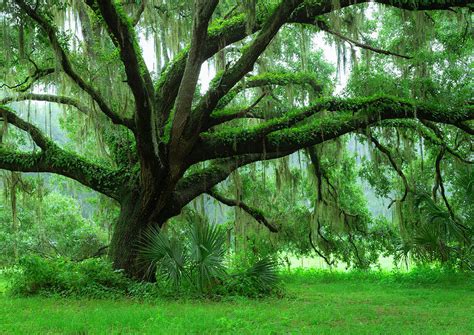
(127, 236)
(138, 213)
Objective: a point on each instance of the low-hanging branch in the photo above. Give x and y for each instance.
(439, 183)
(255, 213)
(199, 182)
(320, 254)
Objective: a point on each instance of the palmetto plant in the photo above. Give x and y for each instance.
(438, 235)
(197, 258)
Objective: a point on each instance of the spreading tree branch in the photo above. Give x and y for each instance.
(320, 254)
(187, 87)
(26, 84)
(65, 100)
(235, 29)
(286, 134)
(56, 160)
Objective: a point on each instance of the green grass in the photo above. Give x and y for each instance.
(317, 303)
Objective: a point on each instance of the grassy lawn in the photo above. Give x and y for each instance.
(314, 305)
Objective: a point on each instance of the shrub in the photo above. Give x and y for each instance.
(92, 278)
(260, 279)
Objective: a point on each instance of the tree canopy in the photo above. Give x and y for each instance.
(165, 138)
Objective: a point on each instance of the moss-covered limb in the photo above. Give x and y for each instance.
(224, 32)
(388, 154)
(65, 100)
(61, 55)
(36, 134)
(202, 180)
(313, 8)
(243, 65)
(230, 114)
(110, 182)
(55, 160)
(323, 26)
(255, 213)
(286, 135)
(187, 87)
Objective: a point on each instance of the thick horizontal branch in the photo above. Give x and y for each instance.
(58, 161)
(53, 159)
(285, 134)
(36, 134)
(255, 213)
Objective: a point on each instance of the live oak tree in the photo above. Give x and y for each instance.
(169, 141)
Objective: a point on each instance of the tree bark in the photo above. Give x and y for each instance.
(127, 235)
